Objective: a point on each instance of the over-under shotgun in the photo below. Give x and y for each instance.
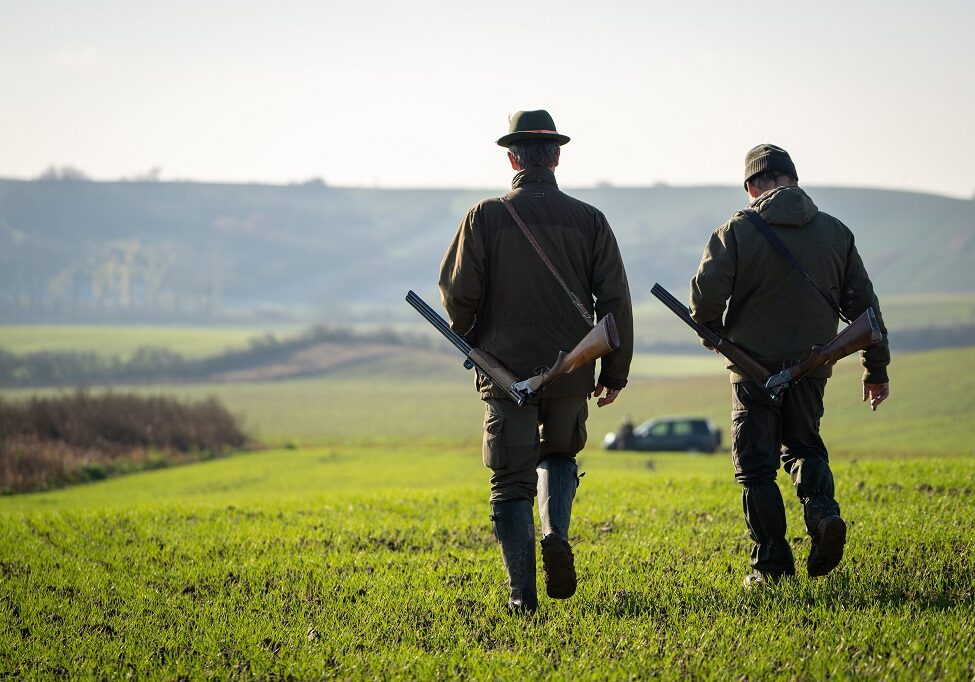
(863, 333)
(600, 340)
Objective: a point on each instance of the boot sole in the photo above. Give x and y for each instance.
(559, 566)
(829, 548)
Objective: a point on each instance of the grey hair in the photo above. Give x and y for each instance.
(532, 153)
(774, 178)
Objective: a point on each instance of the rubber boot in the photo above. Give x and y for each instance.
(514, 528)
(765, 515)
(814, 486)
(557, 483)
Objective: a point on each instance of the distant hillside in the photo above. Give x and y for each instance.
(74, 251)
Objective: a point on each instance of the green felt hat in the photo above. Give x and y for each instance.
(531, 125)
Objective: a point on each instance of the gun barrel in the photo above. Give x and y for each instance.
(682, 312)
(440, 324)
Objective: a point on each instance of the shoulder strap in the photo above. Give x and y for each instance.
(756, 219)
(541, 254)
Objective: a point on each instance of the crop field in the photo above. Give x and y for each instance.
(361, 548)
(109, 340)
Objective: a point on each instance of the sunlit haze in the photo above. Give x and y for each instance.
(396, 94)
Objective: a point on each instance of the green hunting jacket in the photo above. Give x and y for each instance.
(772, 312)
(501, 297)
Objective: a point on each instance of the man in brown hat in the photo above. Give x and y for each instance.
(750, 292)
(502, 298)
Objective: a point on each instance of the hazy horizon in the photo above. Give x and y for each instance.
(458, 188)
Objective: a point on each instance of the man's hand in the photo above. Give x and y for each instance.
(876, 393)
(610, 396)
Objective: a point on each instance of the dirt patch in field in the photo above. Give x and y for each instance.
(319, 360)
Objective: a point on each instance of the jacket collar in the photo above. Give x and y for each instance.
(532, 176)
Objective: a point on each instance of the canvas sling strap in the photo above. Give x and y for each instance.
(755, 219)
(541, 254)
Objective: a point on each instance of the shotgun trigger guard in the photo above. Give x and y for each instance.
(776, 384)
(528, 386)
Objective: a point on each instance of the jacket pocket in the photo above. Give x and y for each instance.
(741, 440)
(492, 450)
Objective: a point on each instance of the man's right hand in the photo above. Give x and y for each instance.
(611, 394)
(876, 393)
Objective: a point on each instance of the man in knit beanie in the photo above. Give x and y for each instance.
(752, 295)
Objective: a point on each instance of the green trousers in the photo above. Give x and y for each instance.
(516, 439)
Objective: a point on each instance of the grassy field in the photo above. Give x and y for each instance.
(930, 412)
(364, 551)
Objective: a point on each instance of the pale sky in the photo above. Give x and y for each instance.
(876, 93)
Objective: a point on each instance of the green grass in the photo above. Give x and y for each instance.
(110, 340)
(366, 552)
(677, 365)
(370, 562)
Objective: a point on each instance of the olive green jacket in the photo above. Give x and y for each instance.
(772, 312)
(501, 297)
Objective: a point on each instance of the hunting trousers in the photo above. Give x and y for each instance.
(763, 435)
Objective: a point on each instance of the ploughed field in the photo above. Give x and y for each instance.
(360, 547)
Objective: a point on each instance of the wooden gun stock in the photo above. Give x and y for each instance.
(601, 339)
(863, 333)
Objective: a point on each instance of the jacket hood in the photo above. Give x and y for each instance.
(785, 206)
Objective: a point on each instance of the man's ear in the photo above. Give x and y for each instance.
(514, 161)
(558, 153)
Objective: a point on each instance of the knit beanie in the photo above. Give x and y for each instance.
(768, 157)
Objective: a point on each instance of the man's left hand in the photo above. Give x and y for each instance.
(876, 393)
(610, 396)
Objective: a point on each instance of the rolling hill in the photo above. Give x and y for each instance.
(73, 251)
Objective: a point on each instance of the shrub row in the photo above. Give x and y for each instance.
(47, 442)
